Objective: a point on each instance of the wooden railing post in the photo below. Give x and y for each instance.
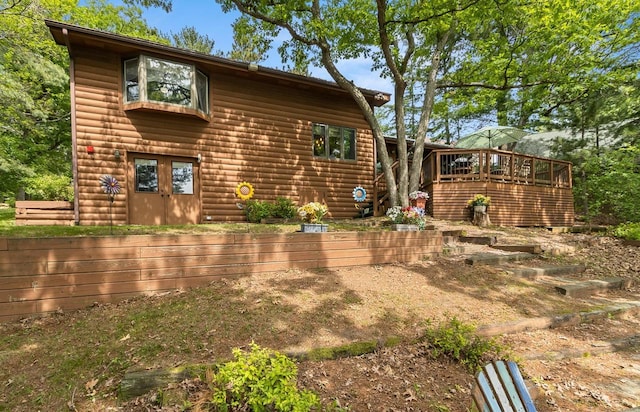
(436, 175)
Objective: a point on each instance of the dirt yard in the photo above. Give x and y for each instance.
(578, 367)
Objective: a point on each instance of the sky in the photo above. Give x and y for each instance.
(207, 18)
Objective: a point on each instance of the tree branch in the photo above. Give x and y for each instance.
(435, 16)
(481, 85)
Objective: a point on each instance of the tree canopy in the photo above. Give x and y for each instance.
(548, 64)
(35, 119)
(519, 63)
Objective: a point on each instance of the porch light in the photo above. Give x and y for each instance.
(116, 154)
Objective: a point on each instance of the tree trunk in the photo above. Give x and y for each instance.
(427, 108)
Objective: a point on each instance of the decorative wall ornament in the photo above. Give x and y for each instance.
(359, 194)
(244, 190)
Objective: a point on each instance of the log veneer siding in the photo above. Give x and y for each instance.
(511, 204)
(258, 132)
(43, 275)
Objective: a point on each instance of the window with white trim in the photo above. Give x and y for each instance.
(334, 142)
(150, 79)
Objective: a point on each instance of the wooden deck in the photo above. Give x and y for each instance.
(524, 190)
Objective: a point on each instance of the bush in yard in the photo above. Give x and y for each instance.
(459, 342)
(256, 210)
(49, 187)
(284, 208)
(259, 380)
(630, 231)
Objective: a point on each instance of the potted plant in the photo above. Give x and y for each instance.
(419, 198)
(311, 214)
(407, 218)
(479, 202)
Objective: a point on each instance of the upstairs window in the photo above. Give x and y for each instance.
(334, 142)
(149, 79)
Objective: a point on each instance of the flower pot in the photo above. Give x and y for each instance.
(480, 209)
(313, 228)
(402, 227)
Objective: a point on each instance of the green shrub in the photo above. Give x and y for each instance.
(256, 210)
(284, 208)
(458, 341)
(259, 380)
(630, 231)
(49, 187)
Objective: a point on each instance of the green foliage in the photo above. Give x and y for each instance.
(189, 38)
(256, 210)
(35, 136)
(259, 380)
(629, 231)
(284, 208)
(49, 187)
(608, 186)
(458, 341)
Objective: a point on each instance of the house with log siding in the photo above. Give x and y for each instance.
(180, 130)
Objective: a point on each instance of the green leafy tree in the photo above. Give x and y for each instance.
(470, 59)
(609, 185)
(189, 38)
(35, 114)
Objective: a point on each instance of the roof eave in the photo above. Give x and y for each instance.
(377, 98)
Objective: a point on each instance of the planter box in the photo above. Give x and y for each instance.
(41, 212)
(313, 228)
(404, 228)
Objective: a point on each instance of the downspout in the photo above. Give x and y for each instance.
(74, 139)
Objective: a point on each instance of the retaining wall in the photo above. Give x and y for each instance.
(43, 275)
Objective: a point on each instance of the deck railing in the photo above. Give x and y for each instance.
(495, 165)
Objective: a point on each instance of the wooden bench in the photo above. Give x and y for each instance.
(499, 387)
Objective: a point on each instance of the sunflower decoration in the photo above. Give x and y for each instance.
(359, 194)
(244, 190)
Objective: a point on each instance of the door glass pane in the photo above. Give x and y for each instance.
(146, 175)
(182, 177)
(335, 144)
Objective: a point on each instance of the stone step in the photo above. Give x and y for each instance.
(453, 233)
(479, 240)
(537, 249)
(494, 259)
(590, 287)
(457, 250)
(535, 272)
(550, 322)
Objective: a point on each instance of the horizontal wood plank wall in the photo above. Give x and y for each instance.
(511, 204)
(30, 212)
(258, 132)
(44, 275)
